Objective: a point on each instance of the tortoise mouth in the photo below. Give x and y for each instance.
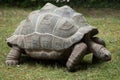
(9, 44)
(107, 58)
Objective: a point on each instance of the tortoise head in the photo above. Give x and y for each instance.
(106, 56)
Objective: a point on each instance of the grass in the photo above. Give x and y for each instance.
(106, 20)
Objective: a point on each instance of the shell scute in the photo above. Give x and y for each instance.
(32, 41)
(65, 28)
(46, 41)
(46, 24)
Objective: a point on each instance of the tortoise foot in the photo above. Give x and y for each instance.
(13, 56)
(11, 62)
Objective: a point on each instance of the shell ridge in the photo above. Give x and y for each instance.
(30, 21)
(38, 19)
(54, 31)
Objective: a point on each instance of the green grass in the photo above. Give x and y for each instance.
(106, 20)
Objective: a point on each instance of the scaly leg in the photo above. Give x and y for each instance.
(76, 56)
(13, 56)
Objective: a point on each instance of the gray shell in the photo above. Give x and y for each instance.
(52, 28)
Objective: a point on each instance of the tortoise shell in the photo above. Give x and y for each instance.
(52, 28)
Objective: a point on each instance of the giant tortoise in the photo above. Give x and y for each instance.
(56, 33)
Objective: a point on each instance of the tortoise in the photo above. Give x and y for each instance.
(56, 33)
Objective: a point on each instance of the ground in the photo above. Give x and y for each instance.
(106, 20)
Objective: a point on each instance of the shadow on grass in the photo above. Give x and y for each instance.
(57, 63)
(51, 63)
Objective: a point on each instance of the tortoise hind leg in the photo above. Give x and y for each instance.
(13, 56)
(76, 56)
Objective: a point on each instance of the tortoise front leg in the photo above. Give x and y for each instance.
(76, 56)
(13, 56)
